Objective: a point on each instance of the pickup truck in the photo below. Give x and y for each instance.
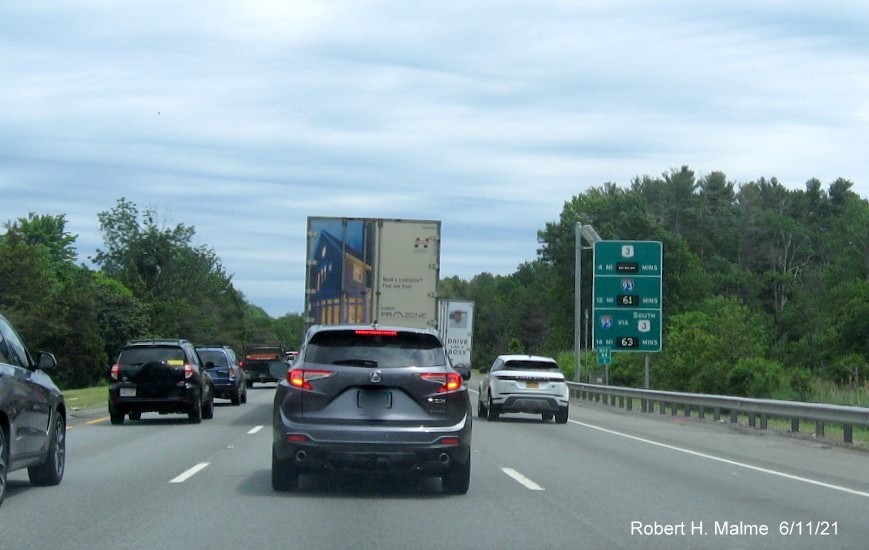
(257, 359)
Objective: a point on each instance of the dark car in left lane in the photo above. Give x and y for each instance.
(230, 380)
(32, 413)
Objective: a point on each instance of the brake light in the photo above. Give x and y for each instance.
(115, 373)
(376, 332)
(241, 364)
(188, 371)
(301, 378)
(450, 381)
(449, 441)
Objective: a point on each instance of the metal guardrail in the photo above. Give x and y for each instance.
(758, 411)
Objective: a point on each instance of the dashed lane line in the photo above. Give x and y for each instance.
(189, 473)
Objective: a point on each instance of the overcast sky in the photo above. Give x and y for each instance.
(241, 119)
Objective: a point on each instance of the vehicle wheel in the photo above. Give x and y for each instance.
(457, 479)
(482, 412)
(285, 476)
(208, 408)
(195, 412)
(561, 415)
(4, 464)
(244, 395)
(235, 399)
(135, 415)
(50, 472)
(116, 416)
(547, 416)
(493, 410)
(249, 383)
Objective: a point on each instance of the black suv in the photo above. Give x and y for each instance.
(164, 376)
(227, 376)
(371, 398)
(32, 413)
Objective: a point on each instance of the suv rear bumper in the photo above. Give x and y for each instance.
(529, 403)
(178, 402)
(366, 449)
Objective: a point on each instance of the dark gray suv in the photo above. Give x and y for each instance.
(372, 399)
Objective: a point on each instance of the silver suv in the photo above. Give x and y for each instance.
(372, 399)
(524, 384)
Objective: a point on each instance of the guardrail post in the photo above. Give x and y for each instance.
(674, 410)
(795, 424)
(734, 417)
(716, 414)
(751, 422)
(687, 410)
(819, 429)
(848, 433)
(663, 405)
(630, 404)
(763, 422)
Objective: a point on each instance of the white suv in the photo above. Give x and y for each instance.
(524, 384)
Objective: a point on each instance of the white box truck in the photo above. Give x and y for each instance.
(366, 270)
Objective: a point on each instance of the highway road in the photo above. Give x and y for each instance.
(606, 479)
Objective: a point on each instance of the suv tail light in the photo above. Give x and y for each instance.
(300, 378)
(115, 373)
(450, 381)
(188, 371)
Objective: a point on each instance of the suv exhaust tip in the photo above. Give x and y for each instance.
(444, 458)
(301, 456)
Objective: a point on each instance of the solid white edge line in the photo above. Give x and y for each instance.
(728, 461)
(522, 479)
(254, 430)
(189, 473)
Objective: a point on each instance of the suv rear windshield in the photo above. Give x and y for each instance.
(142, 355)
(530, 365)
(218, 358)
(376, 348)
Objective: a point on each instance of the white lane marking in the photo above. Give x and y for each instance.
(728, 461)
(189, 473)
(254, 430)
(522, 479)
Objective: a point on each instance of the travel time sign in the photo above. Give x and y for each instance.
(628, 295)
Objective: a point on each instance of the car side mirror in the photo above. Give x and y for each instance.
(464, 371)
(278, 369)
(46, 361)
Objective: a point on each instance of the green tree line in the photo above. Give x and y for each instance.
(150, 281)
(765, 289)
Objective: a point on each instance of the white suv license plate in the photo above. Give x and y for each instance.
(374, 399)
(128, 392)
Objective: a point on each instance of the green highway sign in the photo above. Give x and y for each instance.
(627, 330)
(627, 291)
(604, 357)
(628, 258)
(628, 295)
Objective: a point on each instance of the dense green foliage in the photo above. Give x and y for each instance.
(766, 289)
(151, 282)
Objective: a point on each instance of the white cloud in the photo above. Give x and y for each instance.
(243, 118)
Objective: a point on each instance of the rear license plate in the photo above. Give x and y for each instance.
(128, 392)
(374, 399)
(532, 385)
